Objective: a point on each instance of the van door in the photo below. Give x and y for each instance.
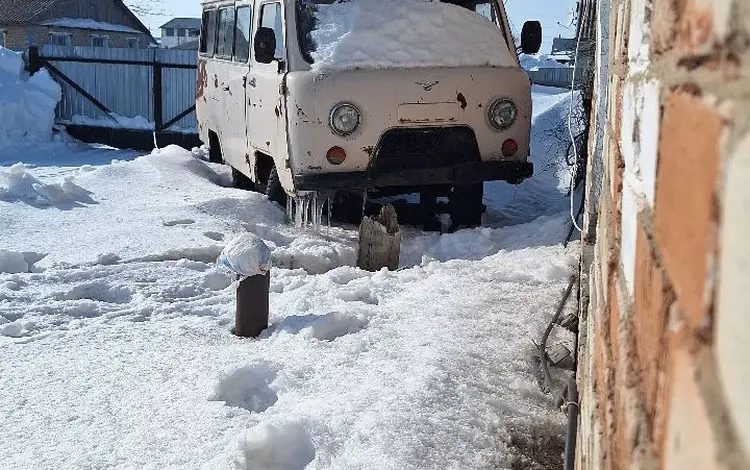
(233, 48)
(266, 119)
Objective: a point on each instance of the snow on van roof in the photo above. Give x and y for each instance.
(373, 34)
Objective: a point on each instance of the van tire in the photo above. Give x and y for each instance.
(273, 189)
(465, 206)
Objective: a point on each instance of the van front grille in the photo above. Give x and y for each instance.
(428, 147)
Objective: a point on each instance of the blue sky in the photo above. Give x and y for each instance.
(549, 12)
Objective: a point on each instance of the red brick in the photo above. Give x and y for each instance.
(663, 24)
(685, 212)
(694, 28)
(652, 299)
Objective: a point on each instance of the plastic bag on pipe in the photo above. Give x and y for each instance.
(246, 255)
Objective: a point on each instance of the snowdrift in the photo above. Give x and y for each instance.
(27, 104)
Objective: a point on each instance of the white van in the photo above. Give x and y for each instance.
(304, 96)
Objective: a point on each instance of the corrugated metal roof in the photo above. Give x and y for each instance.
(186, 23)
(22, 11)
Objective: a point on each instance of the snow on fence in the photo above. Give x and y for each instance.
(154, 86)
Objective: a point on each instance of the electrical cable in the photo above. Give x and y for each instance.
(572, 137)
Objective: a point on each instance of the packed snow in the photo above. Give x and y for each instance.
(404, 33)
(115, 323)
(27, 104)
(84, 23)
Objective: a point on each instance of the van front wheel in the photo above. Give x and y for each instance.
(273, 189)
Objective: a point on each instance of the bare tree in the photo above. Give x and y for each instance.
(146, 7)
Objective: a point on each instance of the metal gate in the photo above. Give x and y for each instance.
(157, 85)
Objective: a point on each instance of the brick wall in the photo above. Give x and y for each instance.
(664, 361)
(19, 37)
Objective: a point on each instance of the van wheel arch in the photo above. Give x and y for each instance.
(215, 155)
(267, 178)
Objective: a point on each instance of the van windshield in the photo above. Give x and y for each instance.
(355, 34)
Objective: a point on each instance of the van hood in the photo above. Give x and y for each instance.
(401, 98)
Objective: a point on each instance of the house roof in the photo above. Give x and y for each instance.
(26, 11)
(22, 11)
(563, 45)
(183, 23)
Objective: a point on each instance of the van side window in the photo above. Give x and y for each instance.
(270, 17)
(208, 32)
(485, 9)
(242, 34)
(226, 32)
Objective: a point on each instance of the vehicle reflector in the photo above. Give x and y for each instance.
(336, 155)
(510, 148)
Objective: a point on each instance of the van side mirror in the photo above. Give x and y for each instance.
(264, 45)
(531, 37)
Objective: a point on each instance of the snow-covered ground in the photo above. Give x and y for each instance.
(115, 319)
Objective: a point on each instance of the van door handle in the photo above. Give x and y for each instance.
(225, 87)
(251, 82)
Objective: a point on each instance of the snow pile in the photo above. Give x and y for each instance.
(13, 262)
(374, 34)
(532, 62)
(284, 445)
(27, 104)
(17, 183)
(246, 255)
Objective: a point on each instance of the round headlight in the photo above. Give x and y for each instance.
(344, 119)
(502, 114)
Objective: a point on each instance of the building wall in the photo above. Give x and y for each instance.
(105, 11)
(20, 37)
(664, 364)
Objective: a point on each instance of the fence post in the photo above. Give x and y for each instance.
(158, 103)
(35, 63)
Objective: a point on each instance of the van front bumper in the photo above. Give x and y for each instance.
(463, 173)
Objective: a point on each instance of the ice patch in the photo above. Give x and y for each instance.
(246, 255)
(172, 223)
(248, 388)
(286, 445)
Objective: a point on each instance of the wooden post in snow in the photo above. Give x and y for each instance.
(379, 241)
(251, 316)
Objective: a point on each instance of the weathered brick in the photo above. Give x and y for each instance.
(652, 300)
(685, 214)
(690, 441)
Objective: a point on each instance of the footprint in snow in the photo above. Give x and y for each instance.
(327, 327)
(215, 236)
(172, 223)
